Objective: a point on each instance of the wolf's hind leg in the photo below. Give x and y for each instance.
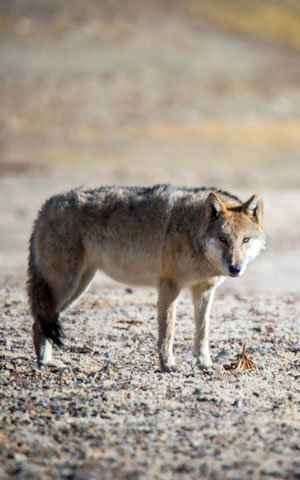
(167, 300)
(82, 286)
(42, 346)
(43, 349)
(60, 296)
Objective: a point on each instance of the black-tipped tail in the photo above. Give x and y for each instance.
(42, 303)
(52, 330)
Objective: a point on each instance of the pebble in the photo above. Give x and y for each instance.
(198, 391)
(238, 403)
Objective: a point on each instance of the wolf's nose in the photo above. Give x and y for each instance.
(234, 269)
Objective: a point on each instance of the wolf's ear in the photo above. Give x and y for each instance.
(214, 206)
(254, 208)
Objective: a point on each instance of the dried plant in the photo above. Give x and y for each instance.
(243, 362)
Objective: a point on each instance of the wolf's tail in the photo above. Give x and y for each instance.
(41, 301)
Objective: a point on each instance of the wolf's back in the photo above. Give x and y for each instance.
(41, 299)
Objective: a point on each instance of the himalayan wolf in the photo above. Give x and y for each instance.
(162, 236)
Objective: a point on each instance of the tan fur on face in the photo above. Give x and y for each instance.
(233, 224)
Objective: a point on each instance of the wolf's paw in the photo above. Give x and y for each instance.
(204, 362)
(167, 368)
(202, 355)
(53, 364)
(167, 365)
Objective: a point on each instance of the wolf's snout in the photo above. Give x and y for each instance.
(234, 270)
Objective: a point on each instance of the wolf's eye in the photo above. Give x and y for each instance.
(223, 239)
(246, 240)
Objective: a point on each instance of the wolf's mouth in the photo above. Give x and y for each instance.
(235, 274)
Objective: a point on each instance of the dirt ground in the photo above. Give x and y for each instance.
(144, 93)
(111, 415)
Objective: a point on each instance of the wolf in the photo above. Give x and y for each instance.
(163, 236)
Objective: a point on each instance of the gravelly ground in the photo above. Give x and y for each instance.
(110, 414)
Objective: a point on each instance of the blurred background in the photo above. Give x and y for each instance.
(128, 92)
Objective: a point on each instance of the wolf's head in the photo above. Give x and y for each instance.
(234, 235)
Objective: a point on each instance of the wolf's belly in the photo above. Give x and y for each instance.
(134, 269)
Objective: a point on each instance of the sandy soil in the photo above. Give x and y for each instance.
(142, 94)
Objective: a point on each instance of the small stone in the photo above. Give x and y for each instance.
(20, 457)
(238, 403)
(198, 391)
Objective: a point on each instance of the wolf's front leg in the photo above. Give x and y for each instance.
(202, 299)
(167, 300)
